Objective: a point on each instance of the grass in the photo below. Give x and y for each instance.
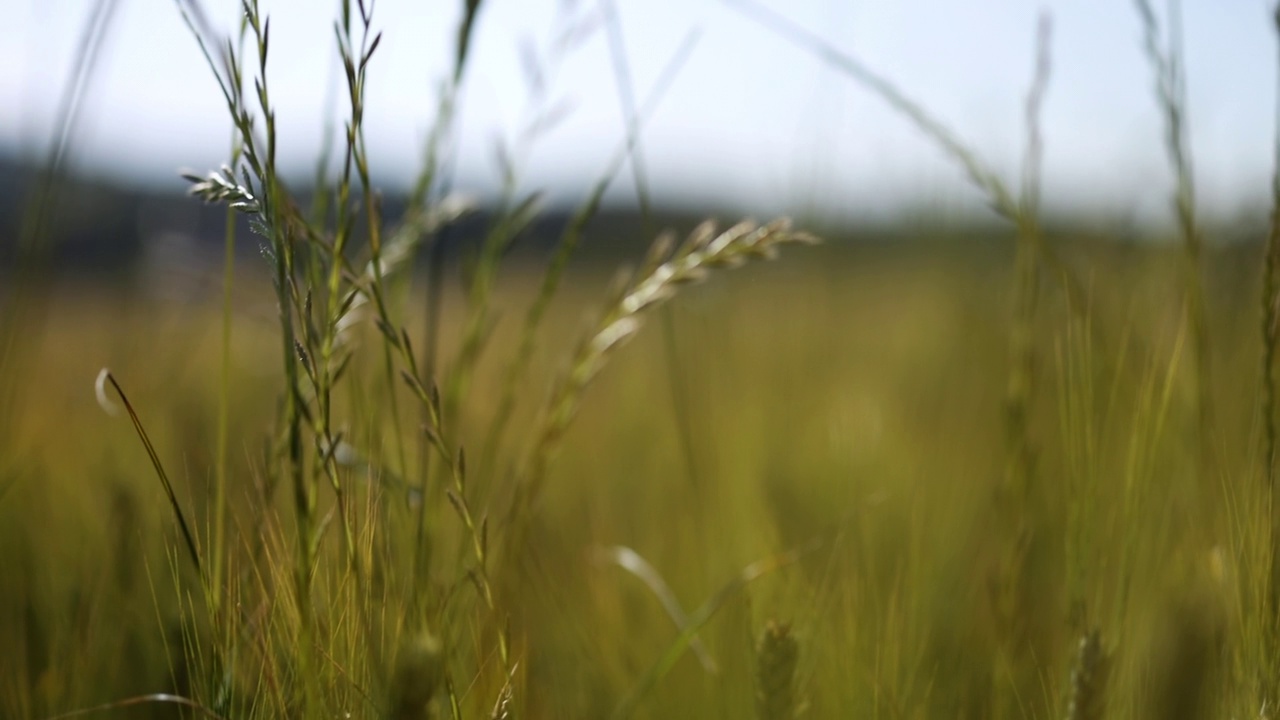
(932, 480)
(865, 439)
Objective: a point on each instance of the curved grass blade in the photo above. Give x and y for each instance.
(154, 698)
(104, 377)
(701, 617)
(631, 561)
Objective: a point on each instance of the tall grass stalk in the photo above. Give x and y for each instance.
(294, 249)
(218, 545)
(516, 369)
(1270, 335)
(517, 209)
(35, 226)
(1270, 312)
(1031, 254)
(22, 305)
(1021, 213)
(319, 287)
(1027, 267)
(1166, 61)
(676, 381)
(1021, 390)
(1080, 435)
(435, 176)
(429, 183)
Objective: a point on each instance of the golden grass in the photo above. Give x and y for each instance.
(852, 397)
(378, 522)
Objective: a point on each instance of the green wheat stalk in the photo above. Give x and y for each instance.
(1167, 64)
(667, 268)
(1270, 332)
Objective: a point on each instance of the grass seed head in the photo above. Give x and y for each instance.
(776, 655)
(1087, 696)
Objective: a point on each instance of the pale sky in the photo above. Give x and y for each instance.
(750, 121)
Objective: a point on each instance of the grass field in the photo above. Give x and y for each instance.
(847, 401)
(997, 473)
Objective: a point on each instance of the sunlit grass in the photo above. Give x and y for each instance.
(852, 400)
(965, 476)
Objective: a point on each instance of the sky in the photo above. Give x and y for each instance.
(750, 120)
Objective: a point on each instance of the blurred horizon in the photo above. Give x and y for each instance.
(749, 122)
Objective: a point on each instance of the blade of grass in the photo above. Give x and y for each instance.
(1000, 199)
(700, 617)
(19, 298)
(676, 383)
(1171, 96)
(224, 389)
(631, 561)
(431, 176)
(568, 244)
(426, 184)
(1270, 336)
(152, 699)
(105, 376)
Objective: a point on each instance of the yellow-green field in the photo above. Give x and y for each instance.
(1012, 472)
(841, 404)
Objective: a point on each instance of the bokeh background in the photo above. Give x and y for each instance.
(1025, 461)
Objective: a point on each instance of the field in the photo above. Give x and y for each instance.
(1012, 469)
(846, 401)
